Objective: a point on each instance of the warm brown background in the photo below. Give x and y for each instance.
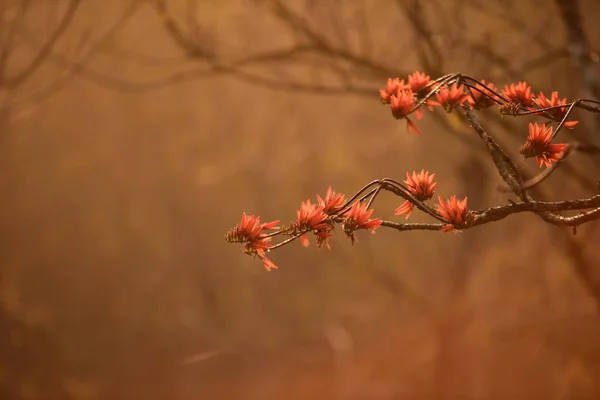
(116, 282)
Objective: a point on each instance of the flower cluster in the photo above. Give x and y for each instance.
(539, 145)
(421, 186)
(311, 218)
(520, 94)
(250, 232)
(359, 218)
(455, 212)
(319, 219)
(482, 96)
(558, 108)
(449, 97)
(402, 97)
(405, 97)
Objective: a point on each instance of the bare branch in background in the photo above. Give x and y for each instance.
(12, 82)
(14, 71)
(83, 54)
(15, 19)
(582, 54)
(432, 61)
(579, 47)
(314, 50)
(191, 41)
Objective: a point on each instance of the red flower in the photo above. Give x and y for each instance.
(539, 145)
(311, 218)
(417, 81)
(358, 218)
(482, 98)
(268, 264)
(453, 211)
(519, 93)
(391, 88)
(402, 103)
(332, 202)
(250, 232)
(449, 98)
(557, 113)
(421, 186)
(323, 239)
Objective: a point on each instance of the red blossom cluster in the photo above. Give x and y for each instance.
(421, 186)
(482, 96)
(519, 93)
(359, 218)
(555, 113)
(449, 97)
(404, 98)
(453, 211)
(250, 232)
(539, 145)
(319, 219)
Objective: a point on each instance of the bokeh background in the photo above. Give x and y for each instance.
(134, 133)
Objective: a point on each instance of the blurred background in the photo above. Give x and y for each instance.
(134, 133)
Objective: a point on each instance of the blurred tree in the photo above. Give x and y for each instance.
(32, 34)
